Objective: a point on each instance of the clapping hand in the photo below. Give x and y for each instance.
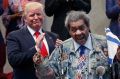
(39, 41)
(58, 42)
(37, 58)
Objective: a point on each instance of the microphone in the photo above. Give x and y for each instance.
(100, 70)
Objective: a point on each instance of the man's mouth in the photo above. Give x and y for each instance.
(35, 22)
(80, 37)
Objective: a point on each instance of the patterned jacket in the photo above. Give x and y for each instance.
(64, 61)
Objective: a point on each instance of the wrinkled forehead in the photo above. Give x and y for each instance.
(33, 6)
(36, 9)
(79, 23)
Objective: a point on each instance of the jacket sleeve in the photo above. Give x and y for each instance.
(17, 57)
(48, 65)
(51, 6)
(112, 9)
(1, 9)
(2, 53)
(84, 5)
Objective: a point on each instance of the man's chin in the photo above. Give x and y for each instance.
(36, 25)
(81, 42)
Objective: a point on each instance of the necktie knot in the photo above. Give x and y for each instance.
(82, 50)
(37, 34)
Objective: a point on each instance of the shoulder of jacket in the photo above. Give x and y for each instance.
(98, 37)
(100, 40)
(51, 33)
(67, 42)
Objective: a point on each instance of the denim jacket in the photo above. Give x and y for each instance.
(64, 61)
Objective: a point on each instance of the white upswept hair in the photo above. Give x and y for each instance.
(73, 16)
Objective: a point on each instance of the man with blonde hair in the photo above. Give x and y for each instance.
(23, 44)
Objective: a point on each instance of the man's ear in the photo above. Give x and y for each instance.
(24, 18)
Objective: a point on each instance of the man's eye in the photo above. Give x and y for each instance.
(31, 15)
(38, 14)
(73, 29)
(82, 27)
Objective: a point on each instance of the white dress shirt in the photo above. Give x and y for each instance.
(33, 35)
(88, 44)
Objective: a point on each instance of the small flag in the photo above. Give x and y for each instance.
(113, 43)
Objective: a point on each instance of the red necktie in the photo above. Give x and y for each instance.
(43, 49)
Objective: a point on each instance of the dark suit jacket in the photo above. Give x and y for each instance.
(112, 12)
(21, 48)
(115, 69)
(1, 8)
(2, 53)
(60, 8)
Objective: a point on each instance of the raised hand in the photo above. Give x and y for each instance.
(39, 41)
(58, 42)
(37, 57)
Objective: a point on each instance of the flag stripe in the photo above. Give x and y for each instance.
(113, 40)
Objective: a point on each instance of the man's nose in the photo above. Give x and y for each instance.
(78, 31)
(36, 16)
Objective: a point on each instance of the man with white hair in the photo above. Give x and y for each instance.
(79, 57)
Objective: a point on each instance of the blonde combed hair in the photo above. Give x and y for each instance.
(32, 5)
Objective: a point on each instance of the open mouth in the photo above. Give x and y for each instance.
(80, 37)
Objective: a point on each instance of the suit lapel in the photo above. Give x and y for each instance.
(50, 43)
(28, 37)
